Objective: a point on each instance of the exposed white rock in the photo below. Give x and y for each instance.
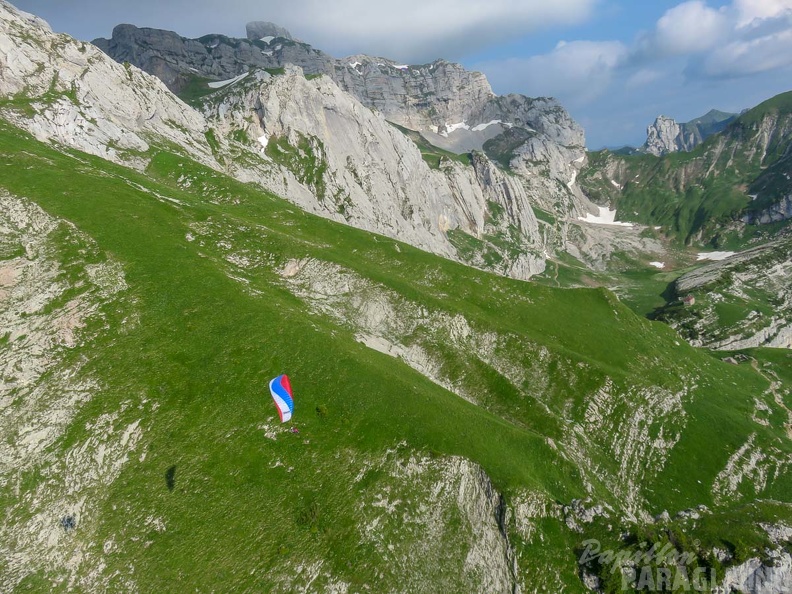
(662, 136)
(42, 391)
(225, 83)
(86, 100)
(752, 465)
(414, 510)
(754, 577)
(762, 273)
(714, 256)
(374, 177)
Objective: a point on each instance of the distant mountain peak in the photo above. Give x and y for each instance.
(264, 29)
(666, 135)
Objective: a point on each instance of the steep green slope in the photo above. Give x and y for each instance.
(569, 396)
(741, 302)
(700, 196)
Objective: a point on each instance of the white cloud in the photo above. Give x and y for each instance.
(749, 10)
(420, 30)
(745, 57)
(694, 58)
(405, 30)
(689, 28)
(643, 77)
(742, 39)
(576, 72)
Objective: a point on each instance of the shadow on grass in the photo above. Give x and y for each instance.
(170, 478)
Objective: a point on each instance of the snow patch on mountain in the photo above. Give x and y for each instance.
(224, 83)
(606, 217)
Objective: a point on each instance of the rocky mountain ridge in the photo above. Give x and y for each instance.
(737, 177)
(83, 99)
(449, 107)
(666, 136)
(365, 172)
(157, 300)
(441, 97)
(445, 105)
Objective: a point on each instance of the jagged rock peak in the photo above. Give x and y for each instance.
(664, 136)
(667, 136)
(263, 29)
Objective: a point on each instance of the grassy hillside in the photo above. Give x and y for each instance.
(557, 394)
(699, 196)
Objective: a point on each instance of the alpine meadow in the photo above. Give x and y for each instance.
(513, 364)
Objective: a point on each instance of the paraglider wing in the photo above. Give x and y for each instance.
(281, 391)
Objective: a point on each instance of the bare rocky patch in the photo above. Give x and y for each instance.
(55, 291)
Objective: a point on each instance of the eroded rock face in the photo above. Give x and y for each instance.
(257, 30)
(758, 280)
(440, 97)
(81, 99)
(430, 97)
(43, 390)
(424, 497)
(176, 60)
(667, 136)
(781, 211)
(365, 172)
(755, 577)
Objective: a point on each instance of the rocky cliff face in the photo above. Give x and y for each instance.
(432, 97)
(780, 211)
(770, 575)
(741, 302)
(365, 172)
(448, 106)
(368, 173)
(74, 95)
(442, 99)
(667, 136)
(176, 60)
(258, 30)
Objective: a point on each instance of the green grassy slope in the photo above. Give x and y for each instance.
(244, 509)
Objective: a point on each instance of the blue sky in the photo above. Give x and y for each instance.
(614, 64)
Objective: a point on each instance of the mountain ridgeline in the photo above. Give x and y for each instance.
(340, 221)
(731, 189)
(667, 136)
(462, 130)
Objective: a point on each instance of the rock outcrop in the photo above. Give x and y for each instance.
(742, 301)
(781, 211)
(176, 60)
(758, 577)
(667, 136)
(365, 172)
(258, 30)
(81, 99)
(435, 97)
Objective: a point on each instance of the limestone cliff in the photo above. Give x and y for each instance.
(372, 176)
(365, 172)
(667, 136)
